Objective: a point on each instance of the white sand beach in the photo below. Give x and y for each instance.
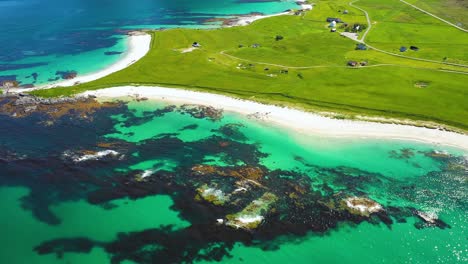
(246, 20)
(138, 45)
(303, 122)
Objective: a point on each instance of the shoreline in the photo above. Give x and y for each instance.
(300, 121)
(138, 46)
(247, 20)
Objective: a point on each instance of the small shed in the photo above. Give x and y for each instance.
(337, 20)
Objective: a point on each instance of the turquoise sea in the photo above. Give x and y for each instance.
(146, 198)
(43, 40)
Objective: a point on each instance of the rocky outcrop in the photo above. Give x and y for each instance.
(66, 75)
(361, 206)
(25, 105)
(212, 195)
(253, 174)
(252, 216)
(201, 111)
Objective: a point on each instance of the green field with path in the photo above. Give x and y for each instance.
(307, 69)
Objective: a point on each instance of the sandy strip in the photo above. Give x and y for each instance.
(298, 120)
(247, 20)
(137, 47)
(305, 5)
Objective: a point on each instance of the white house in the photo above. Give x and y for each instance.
(306, 7)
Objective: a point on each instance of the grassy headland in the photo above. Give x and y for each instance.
(308, 69)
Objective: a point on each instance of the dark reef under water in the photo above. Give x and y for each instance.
(70, 158)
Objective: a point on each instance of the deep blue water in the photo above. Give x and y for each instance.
(45, 36)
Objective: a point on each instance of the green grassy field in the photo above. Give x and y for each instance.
(308, 68)
(454, 11)
(396, 25)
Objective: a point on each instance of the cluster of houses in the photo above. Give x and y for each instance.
(356, 64)
(334, 20)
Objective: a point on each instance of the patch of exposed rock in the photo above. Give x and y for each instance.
(247, 173)
(25, 105)
(361, 206)
(201, 111)
(253, 215)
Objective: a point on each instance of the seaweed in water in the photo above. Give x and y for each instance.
(249, 203)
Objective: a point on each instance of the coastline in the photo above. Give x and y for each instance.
(247, 20)
(138, 46)
(303, 122)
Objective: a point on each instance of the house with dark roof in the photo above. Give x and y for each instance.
(361, 46)
(331, 19)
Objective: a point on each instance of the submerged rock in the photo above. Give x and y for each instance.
(438, 154)
(430, 219)
(67, 75)
(241, 172)
(253, 214)
(427, 217)
(201, 111)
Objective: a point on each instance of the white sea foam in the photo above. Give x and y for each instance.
(147, 173)
(96, 156)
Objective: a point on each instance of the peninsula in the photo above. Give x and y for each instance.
(369, 63)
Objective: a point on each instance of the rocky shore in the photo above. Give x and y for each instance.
(23, 105)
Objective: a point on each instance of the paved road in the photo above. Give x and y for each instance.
(368, 21)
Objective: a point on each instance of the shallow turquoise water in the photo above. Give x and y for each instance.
(395, 173)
